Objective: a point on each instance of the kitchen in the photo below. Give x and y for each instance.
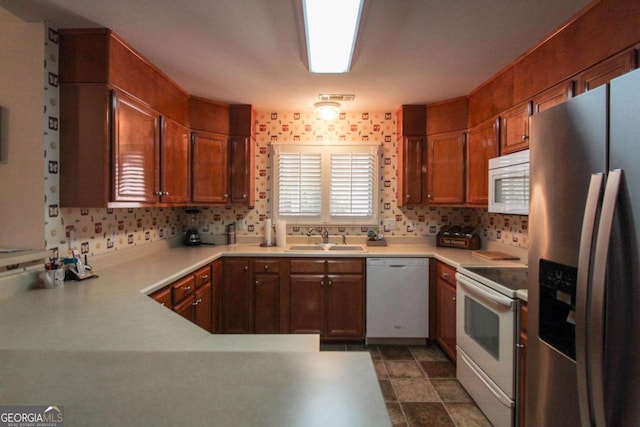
(421, 219)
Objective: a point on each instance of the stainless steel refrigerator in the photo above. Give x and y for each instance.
(583, 356)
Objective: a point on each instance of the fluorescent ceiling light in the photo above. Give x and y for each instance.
(331, 27)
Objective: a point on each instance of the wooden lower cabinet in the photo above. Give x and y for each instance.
(327, 297)
(216, 296)
(236, 295)
(446, 309)
(251, 296)
(191, 297)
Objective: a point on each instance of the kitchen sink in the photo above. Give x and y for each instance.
(326, 247)
(355, 248)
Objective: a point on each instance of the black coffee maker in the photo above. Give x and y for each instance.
(191, 236)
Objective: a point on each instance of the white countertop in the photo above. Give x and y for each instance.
(102, 345)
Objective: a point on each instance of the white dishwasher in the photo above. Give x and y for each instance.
(397, 298)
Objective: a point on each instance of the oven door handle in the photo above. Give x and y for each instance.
(476, 290)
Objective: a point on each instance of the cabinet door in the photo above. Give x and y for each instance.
(446, 308)
(175, 156)
(411, 158)
(481, 146)
(514, 129)
(241, 174)
(236, 296)
(202, 307)
(266, 303)
(136, 151)
(552, 97)
(606, 70)
(185, 309)
(209, 168)
(216, 296)
(445, 185)
(345, 306)
(306, 304)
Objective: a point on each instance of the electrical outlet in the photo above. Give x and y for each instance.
(241, 225)
(390, 224)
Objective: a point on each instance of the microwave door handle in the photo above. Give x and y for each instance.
(597, 300)
(582, 293)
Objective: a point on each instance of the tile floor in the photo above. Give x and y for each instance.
(419, 386)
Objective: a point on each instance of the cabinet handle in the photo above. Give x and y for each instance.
(453, 298)
(408, 196)
(186, 288)
(244, 196)
(266, 267)
(525, 137)
(257, 282)
(226, 196)
(445, 275)
(321, 282)
(245, 268)
(162, 304)
(330, 283)
(204, 277)
(521, 346)
(429, 196)
(165, 193)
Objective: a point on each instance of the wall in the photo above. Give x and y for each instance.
(21, 164)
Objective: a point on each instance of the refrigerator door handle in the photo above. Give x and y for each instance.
(597, 304)
(582, 294)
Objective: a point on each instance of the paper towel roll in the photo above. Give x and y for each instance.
(267, 231)
(281, 233)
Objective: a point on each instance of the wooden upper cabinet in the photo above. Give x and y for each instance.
(175, 155)
(553, 96)
(136, 154)
(447, 116)
(482, 145)
(411, 120)
(241, 171)
(97, 55)
(209, 168)
(242, 155)
(209, 116)
(446, 169)
(411, 170)
(514, 128)
(604, 71)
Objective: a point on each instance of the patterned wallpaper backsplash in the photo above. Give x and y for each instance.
(97, 231)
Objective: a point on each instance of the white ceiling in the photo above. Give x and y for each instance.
(249, 51)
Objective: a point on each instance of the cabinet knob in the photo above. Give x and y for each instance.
(445, 275)
(453, 298)
(266, 267)
(408, 196)
(525, 137)
(244, 196)
(226, 196)
(166, 193)
(186, 288)
(204, 277)
(257, 282)
(330, 283)
(245, 268)
(321, 282)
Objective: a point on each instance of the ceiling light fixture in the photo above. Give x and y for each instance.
(327, 110)
(331, 27)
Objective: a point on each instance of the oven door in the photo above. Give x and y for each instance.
(485, 330)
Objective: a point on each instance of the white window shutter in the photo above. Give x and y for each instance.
(299, 177)
(352, 181)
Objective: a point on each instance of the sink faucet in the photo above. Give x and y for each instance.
(325, 234)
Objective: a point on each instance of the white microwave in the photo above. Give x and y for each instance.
(509, 183)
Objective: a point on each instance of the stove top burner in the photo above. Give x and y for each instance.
(513, 278)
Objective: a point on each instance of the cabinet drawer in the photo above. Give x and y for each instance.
(202, 276)
(354, 265)
(307, 265)
(163, 296)
(182, 288)
(447, 273)
(266, 266)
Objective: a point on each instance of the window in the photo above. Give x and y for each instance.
(326, 184)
